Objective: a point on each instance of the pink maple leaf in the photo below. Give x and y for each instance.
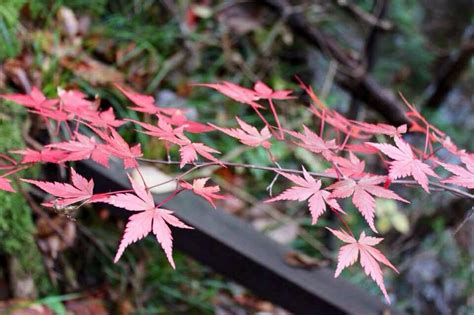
(265, 92)
(239, 94)
(5, 185)
(149, 219)
(198, 187)
(370, 257)
(103, 119)
(312, 142)
(83, 148)
(405, 163)
(462, 176)
(380, 129)
(352, 167)
(34, 100)
(189, 153)
(164, 131)
(235, 92)
(67, 194)
(54, 114)
(363, 148)
(180, 120)
(307, 188)
(248, 134)
(75, 102)
(362, 192)
(144, 103)
(46, 155)
(118, 147)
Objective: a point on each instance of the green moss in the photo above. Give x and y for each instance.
(16, 225)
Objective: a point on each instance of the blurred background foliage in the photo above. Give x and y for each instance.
(159, 47)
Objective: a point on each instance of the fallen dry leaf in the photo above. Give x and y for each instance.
(301, 260)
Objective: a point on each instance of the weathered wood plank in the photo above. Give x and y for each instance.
(234, 249)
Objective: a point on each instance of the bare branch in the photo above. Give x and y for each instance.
(364, 16)
(450, 73)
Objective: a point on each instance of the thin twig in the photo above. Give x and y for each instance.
(467, 217)
(197, 165)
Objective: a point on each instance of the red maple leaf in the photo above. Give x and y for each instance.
(34, 100)
(149, 219)
(370, 257)
(189, 153)
(188, 150)
(352, 167)
(462, 176)
(248, 134)
(265, 92)
(83, 148)
(103, 119)
(312, 142)
(239, 94)
(118, 147)
(307, 188)
(67, 194)
(164, 131)
(75, 104)
(380, 129)
(46, 155)
(179, 119)
(54, 114)
(405, 163)
(198, 187)
(5, 185)
(144, 103)
(362, 192)
(235, 92)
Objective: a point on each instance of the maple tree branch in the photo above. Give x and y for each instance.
(449, 73)
(198, 164)
(369, 51)
(364, 16)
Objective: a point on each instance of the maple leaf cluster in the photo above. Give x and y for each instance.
(86, 131)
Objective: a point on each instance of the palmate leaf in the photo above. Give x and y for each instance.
(5, 185)
(189, 153)
(362, 192)
(34, 100)
(149, 219)
(235, 92)
(405, 163)
(209, 193)
(307, 188)
(370, 257)
(80, 149)
(462, 176)
(67, 194)
(248, 135)
(265, 92)
(314, 143)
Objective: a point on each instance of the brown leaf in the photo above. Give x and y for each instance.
(92, 71)
(87, 306)
(300, 260)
